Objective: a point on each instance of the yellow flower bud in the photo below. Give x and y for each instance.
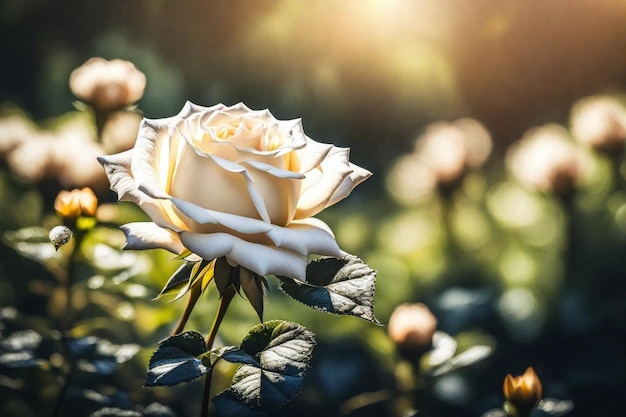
(522, 393)
(76, 203)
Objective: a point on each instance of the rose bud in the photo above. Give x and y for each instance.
(59, 236)
(76, 203)
(411, 328)
(547, 160)
(522, 393)
(107, 85)
(600, 123)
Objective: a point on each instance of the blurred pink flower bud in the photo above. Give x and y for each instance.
(451, 148)
(600, 122)
(107, 85)
(411, 327)
(120, 131)
(30, 161)
(547, 160)
(14, 130)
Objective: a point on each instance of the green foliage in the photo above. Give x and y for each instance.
(176, 360)
(274, 357)
(338, 286)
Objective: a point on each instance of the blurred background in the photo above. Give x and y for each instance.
(518, 252)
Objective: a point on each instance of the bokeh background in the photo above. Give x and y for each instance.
(536, 276)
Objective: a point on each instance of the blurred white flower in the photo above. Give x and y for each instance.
(120, 131)
(14, 130)
(547, 160)
(600, 123)
(441, 158)
(108, 85)
(31, 160)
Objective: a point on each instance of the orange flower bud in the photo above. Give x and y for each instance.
(522, 393)
(76, 203)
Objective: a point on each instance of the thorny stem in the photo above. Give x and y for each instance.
(66, 319)
(227, 296)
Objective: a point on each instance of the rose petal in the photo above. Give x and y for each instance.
(325, 180)
(254, 194)
(272, 170)
(305, 238)
(313, 154)
(147, 235)
(205, 216)
(260, 259)
(145, 154)
(117, 169)
(338, 178)
(357, 176)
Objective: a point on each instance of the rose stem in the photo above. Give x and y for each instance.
(194, 294)
(228, 295)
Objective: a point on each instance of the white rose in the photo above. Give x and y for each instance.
(233, 182)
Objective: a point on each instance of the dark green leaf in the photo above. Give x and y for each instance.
(100, 355)
(99, 366)
(23, 359)
(18, 349)
(114, 412)
(339, 286)
(553, 407)
(275, 356)
(178, 280)
(158, 410)
(254, 289)
(176, 360)
(32, 243)
(83, 347)
(21, 340)
(227, 404)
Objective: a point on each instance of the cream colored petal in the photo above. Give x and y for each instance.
(306, 238)
(145, 153)
(313, 155)
(332, 181)
(357, 176)
(236, 223)
(147, 235)
(272, 170)
(225, 186)
(117, 169)
(322, 182)
(260, 259)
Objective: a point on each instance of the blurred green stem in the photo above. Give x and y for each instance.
(101, 116)
(65, 322)
(447, 211)
(227, 297)
(567, 206)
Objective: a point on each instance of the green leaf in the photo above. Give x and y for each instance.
(176, 360)
(338, 286)
(32, 243)
(178, 279)
(18, 349)
(274, 358)
(253, 287)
